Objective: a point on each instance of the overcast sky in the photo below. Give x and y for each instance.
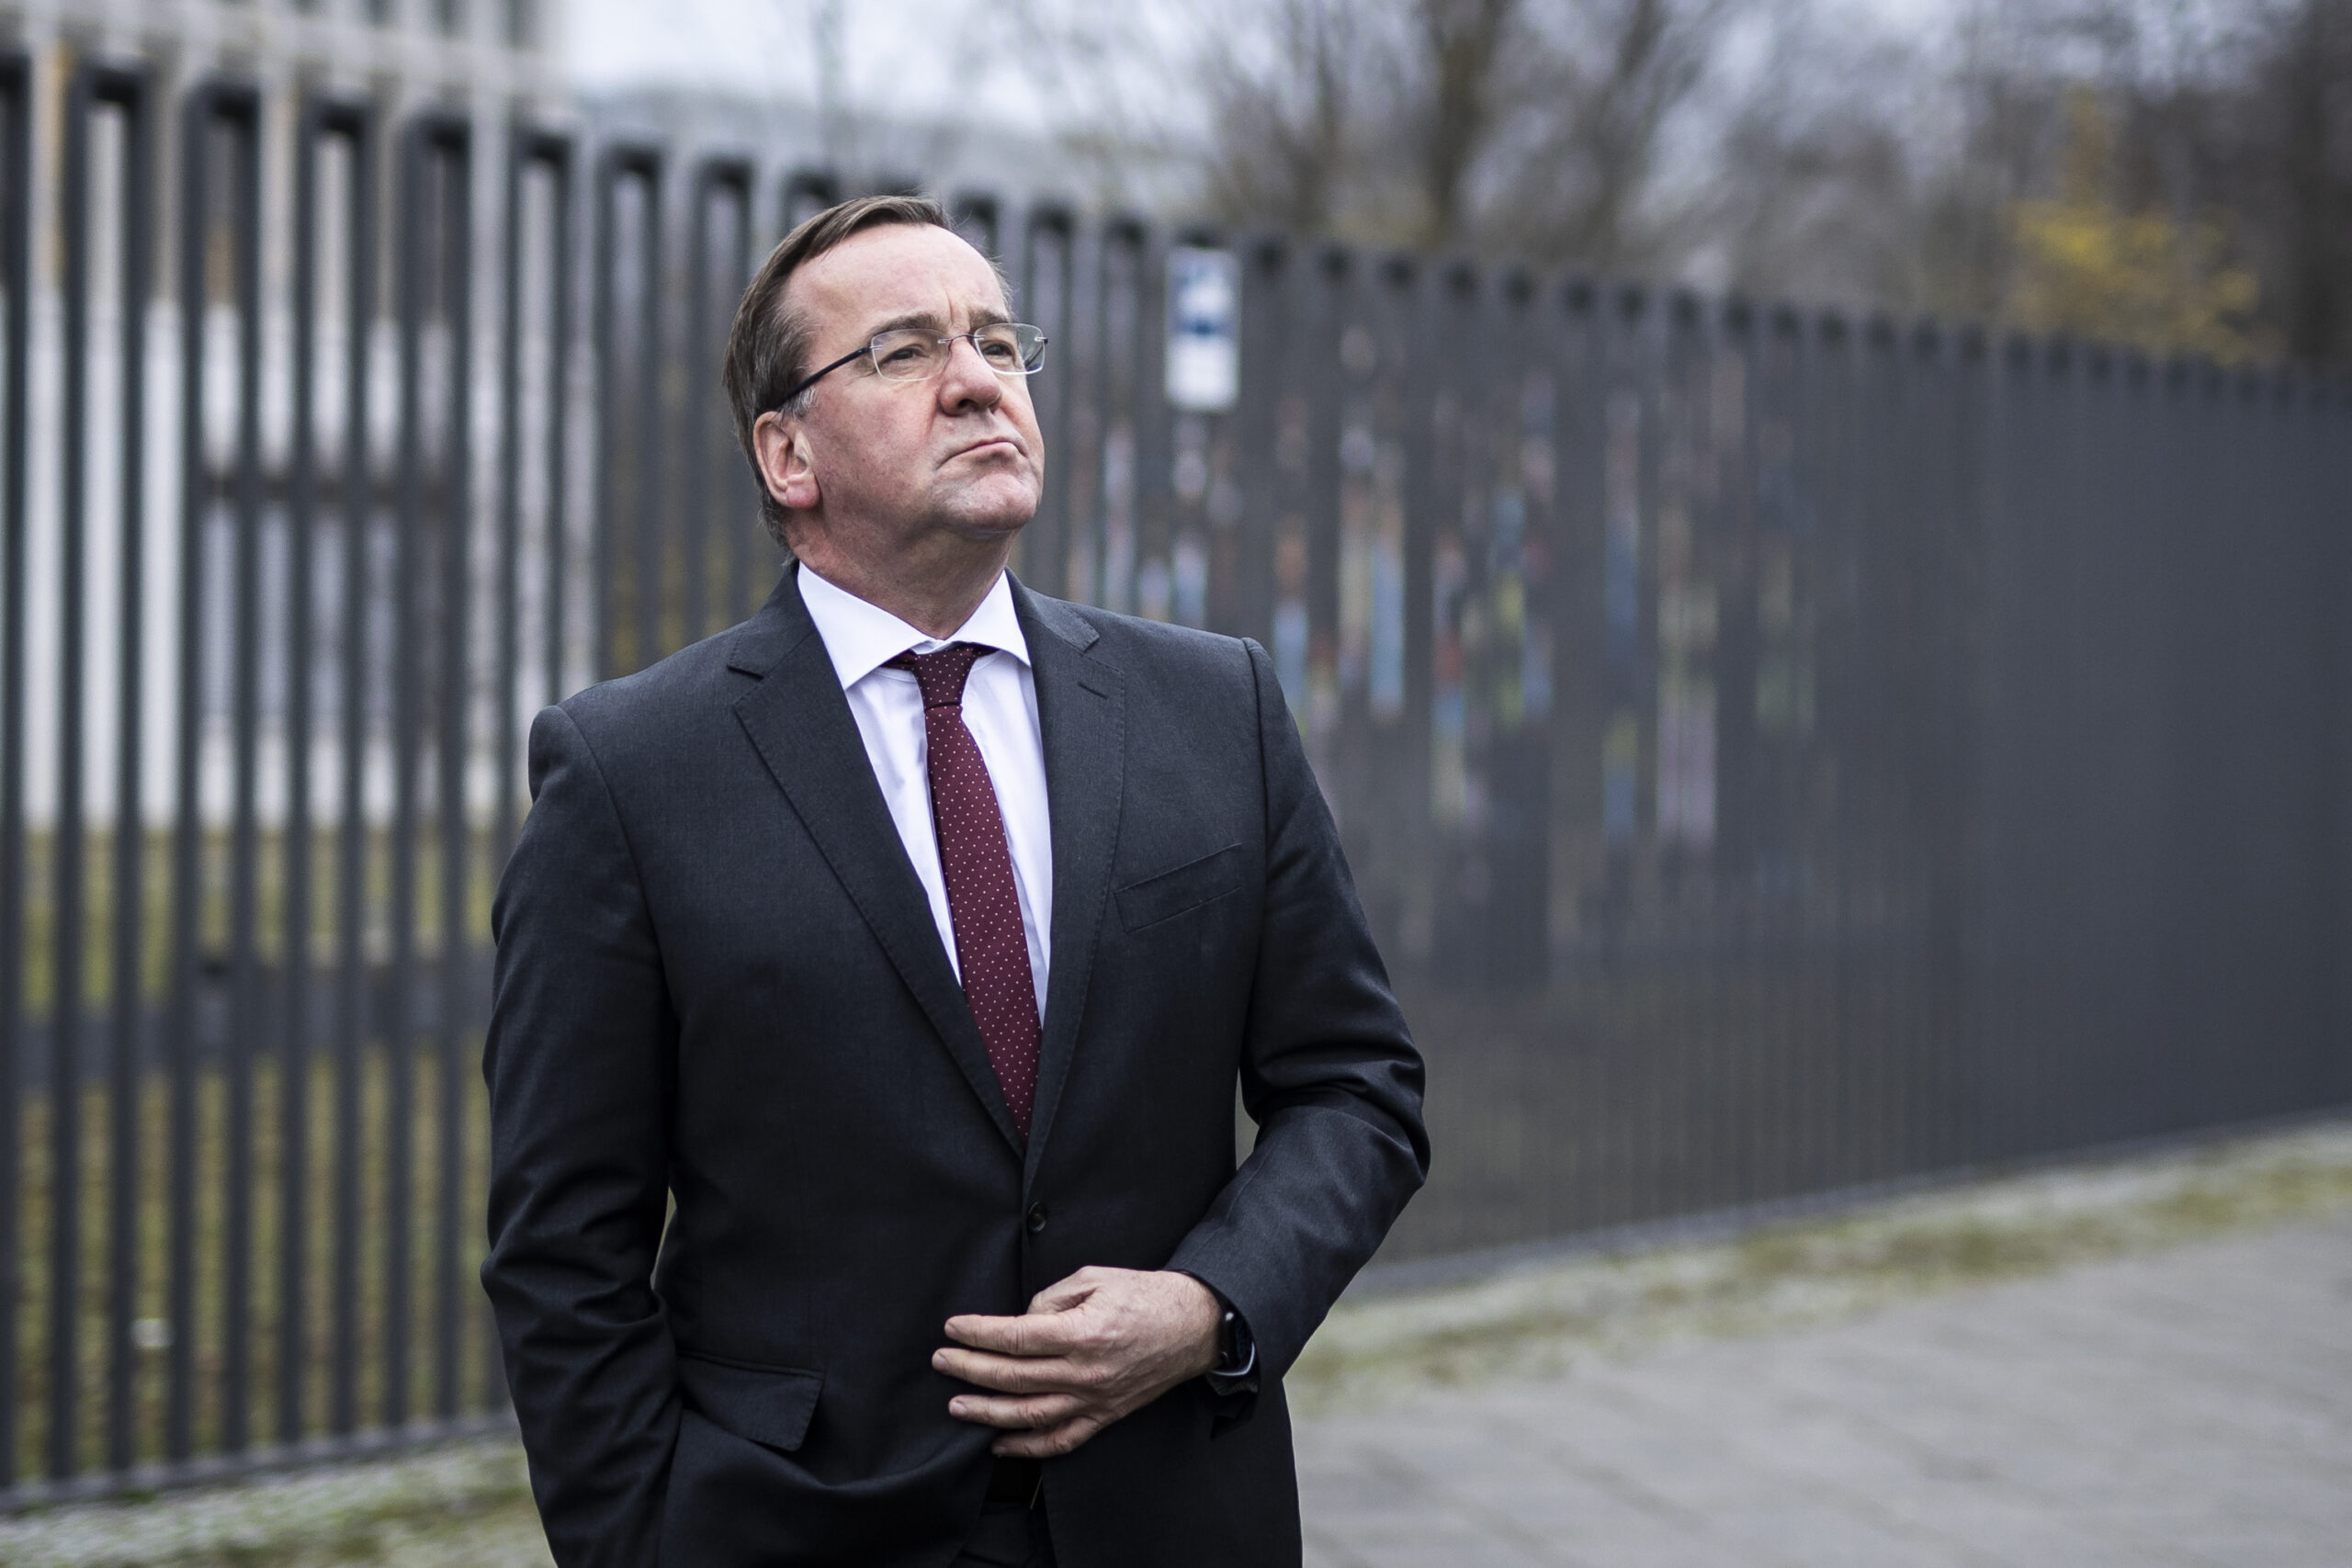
(921, 57)
(952, 61)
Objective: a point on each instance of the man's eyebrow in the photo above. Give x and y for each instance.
(930, 320)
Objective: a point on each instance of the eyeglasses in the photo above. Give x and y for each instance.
(913, 353)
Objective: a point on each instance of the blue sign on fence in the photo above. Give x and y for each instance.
(1203, 331)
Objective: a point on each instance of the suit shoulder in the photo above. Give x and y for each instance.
(659, 708)
(1144, 645)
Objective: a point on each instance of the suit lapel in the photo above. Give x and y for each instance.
(799, 721)
(1081, 711)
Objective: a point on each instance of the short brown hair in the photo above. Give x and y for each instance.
(767, 348)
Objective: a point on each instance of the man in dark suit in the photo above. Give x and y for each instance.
(909, 939)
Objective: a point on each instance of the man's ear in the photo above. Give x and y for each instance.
(786, 462)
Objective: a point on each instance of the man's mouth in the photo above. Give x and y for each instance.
(993, 444)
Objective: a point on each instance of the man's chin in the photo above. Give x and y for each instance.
(989, 516)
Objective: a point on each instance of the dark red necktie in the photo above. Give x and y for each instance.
(983, 906)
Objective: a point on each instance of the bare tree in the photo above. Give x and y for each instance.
(1462, 98)
(1598, 87)
(1287, 137)
(1533, 124)
(2291, 163)
(1783, 146)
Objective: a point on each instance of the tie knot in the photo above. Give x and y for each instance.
(942, 674)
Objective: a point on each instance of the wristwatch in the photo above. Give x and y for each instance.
(1237, 1360)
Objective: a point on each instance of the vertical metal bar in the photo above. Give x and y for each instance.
(747, 588)
(652, 575)
(16, 256)
(124, 89)
(1268, 301)
(65, 990)
(237, 110)
(295, 1039)
(356, 124)
(188, 830)
(1323, 472)
(602, 663)
(1078, 425)
(730, 178)
(807, 192)
(1119, 298)
(411, 289)
(527, 148)
(455, 537)
(559, 348)
(979, 218)
(1421, 297)
(617, 164)
(507, 626)
(1154, 444)
(555, 153)
(130, 848)
(1047, 233)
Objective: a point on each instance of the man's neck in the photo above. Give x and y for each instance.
(935, 597)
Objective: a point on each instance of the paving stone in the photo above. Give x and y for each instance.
(2191, 1409)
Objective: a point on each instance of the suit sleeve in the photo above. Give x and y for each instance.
(580, 1036)
(1328, 1073)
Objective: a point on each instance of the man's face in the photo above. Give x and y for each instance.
(904, 463)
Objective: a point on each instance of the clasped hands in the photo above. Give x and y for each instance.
(1093, 1347)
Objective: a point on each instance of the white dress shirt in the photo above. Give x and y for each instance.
(1000, 709)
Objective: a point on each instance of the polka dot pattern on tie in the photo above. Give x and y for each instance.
(983, 906)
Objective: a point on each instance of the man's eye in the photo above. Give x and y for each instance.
(907, 354)
(998, 351)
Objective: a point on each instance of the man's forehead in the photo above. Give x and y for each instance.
(897, 271)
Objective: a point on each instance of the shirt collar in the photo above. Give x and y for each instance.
(861, 637)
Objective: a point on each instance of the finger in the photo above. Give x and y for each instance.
(1045, 1334)
(1014, 1414)
(1049, 1442)
(1012, 1375)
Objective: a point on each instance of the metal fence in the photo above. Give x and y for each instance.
(1779, 752)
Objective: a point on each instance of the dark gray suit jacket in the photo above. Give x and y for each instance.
(719, 982)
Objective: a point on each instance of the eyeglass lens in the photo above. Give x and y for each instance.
(1008, 348)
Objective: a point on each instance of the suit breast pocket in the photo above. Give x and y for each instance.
(1188, 886)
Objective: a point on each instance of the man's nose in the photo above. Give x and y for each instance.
(967, 381)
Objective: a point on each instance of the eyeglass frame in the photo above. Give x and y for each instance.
(949, 340)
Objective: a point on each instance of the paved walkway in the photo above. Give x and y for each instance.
(2164, 1379)
(2191, 1407)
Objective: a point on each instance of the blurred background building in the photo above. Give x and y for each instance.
(478, 52)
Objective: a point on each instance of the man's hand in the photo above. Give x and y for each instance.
(1100, 1344)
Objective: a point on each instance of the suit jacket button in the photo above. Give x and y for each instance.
(1036, 1218)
